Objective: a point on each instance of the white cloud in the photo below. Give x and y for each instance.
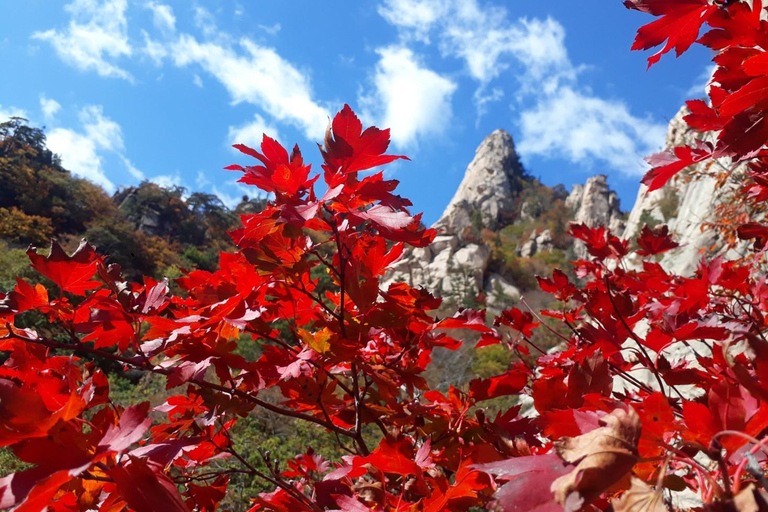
(79, 154)
(483, 37)
(162, 16)
(205, 21)
(97, 31)
(415, 100)
(417, 17)
(9, 112)
(132, 170)
(197, 80)
(167, 180)
(202, 180)
(701, 87)
(260, 76)
(231, 200)
(559, 117)
(83, 151)
(153, 49)
(104, 132)
(251, 133)
(271, 29)
(585, 129)
(49, 107)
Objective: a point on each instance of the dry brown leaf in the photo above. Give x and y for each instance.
(603, 456)
(640, 497)
(750, 500)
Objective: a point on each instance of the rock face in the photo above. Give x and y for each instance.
(485, 194)
(596, 204)
(537, 242)
(684, 204)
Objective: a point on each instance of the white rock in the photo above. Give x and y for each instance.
(500, 292)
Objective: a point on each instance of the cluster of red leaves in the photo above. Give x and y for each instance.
(736, 116)
(662, 384)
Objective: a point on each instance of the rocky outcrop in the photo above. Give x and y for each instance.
(686, 204)
(484, 197)
(537, 242)
(595, 204)
(454, 264)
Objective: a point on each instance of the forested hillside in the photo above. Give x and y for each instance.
(147, 230)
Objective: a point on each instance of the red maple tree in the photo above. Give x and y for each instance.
(614, 419)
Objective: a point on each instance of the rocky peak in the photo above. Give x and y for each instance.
(487, 191)
(498, 216)
(595, 204)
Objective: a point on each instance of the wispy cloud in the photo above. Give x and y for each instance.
(258, 75)
(97, 34)
(252, 133)
(585, 129)
(83, 151)
(162, 16)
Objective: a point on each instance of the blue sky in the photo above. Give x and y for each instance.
(159, 89)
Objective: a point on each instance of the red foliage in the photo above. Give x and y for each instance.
(661, 374)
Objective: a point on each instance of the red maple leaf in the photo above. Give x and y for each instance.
(70, 273)
(679, 24)
(349, 149)
(668, 163)
(655, 241)
(517, 319)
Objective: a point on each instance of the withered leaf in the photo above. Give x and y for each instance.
(640, 497)
(603, 456)
(750, 500)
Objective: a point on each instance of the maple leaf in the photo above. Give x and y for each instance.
(394, 456)
(349, 149)
(471, 319)
(754, 231)
(655, 241)
(280, 173)
(24, 297)
(743, 135)
(146, 490)
(703, 117)
(668, 163)
(31, 490)
(349, 504)
(559, 285)
(508, 383)
(129, 430)
(386, 217)
(70, 273)
(517, 319)
(679, 25)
